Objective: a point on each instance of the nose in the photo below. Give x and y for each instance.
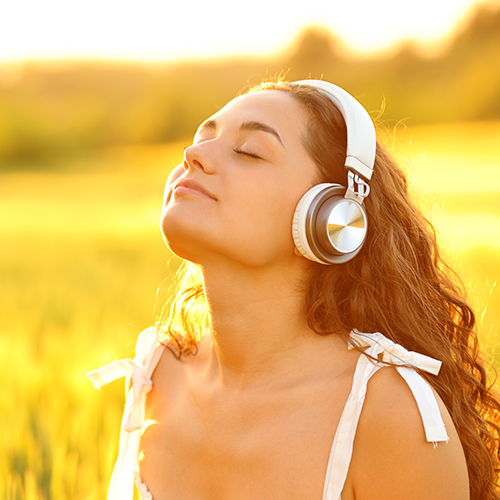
(197, 156)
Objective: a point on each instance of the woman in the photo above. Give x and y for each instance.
(269, 367)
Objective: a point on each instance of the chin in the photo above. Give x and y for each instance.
(176, 246)
(178, 236)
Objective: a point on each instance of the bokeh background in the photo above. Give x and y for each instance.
(97, 101)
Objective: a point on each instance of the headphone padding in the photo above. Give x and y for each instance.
(299, 222)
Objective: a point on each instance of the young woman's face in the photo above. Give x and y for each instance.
(235, 193)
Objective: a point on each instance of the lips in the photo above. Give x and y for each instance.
(187, 185)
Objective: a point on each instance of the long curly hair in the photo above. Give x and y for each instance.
(398, 284)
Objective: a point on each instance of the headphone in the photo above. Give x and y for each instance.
(330, 223)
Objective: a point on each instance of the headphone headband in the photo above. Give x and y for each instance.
(361, 138)
(330, 224)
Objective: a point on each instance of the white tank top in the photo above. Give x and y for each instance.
(379, 351)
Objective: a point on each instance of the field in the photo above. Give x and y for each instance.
(83, 269)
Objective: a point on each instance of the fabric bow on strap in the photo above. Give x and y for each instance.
(396, 354)
(133, 417)
(405, 361)
(139, 371)
(138, 383)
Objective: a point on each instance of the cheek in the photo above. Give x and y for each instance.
(263, 220)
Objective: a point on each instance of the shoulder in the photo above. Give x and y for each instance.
(172, 369)
(391, 457)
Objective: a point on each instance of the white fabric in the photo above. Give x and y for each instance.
(378, 351)
(138, 371)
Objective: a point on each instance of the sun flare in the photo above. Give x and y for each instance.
(158, 30)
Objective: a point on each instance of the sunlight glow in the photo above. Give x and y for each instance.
(159, 30)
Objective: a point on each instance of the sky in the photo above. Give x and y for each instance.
(168, 30)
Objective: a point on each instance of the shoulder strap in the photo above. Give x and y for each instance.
(139, 371)
(368, 364)
(341, 452)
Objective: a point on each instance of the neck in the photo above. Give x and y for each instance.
(258, 324)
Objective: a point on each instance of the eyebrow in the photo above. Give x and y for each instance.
(248, 125)
(262, 127)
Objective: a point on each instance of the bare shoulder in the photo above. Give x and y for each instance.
(170, 372)
(391, 457)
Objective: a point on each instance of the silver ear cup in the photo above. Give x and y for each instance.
(341, 225)
(329, 228)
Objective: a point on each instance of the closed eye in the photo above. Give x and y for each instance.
(247, 153)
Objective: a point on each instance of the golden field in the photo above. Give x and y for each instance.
(83, 269)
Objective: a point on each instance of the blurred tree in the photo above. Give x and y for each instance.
(314, 52)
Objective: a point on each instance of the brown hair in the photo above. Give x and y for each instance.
(398, 285)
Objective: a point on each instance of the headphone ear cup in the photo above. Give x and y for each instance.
(328, 228)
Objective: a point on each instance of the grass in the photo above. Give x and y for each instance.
(81, 259)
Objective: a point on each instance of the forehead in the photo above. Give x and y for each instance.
(276, 108)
